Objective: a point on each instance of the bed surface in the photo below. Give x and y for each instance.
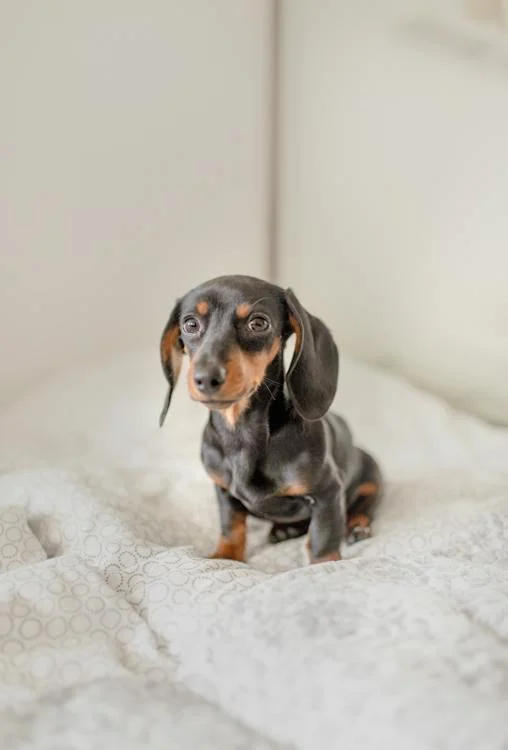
(115, 627)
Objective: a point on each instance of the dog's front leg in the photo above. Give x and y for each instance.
(233, 525)
(326, 530)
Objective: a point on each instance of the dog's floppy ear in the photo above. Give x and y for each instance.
(312, 375)
(171, 349)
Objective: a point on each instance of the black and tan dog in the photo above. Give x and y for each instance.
(270, 446)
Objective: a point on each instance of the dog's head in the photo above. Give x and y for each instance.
(233, 328)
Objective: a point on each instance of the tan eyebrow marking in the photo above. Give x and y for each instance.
(243, 310)
(202, 307)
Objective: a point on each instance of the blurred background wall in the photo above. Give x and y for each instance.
(137, 159)
(393, 184)
(134, 160)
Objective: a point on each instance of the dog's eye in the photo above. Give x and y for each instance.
(258, 324)
(192, 326)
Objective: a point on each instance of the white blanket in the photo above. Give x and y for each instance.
(114, 627)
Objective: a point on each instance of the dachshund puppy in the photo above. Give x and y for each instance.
(270, 446)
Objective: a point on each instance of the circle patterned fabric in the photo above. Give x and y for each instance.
(114, 624)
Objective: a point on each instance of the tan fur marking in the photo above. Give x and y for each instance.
(235, 411)
(243, 310)
(218, 480)
(235, 384)
(257, 363)
(168, 342)
(295, 325)
(194, 393)
(245, 373)
(358, 520)
(233, 546)
(170, 351)
(367, 489)
(202, 307)
(332, 557)
(296, 489)
(249, 370)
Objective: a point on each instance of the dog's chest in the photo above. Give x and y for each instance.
(242, 473)
(267, 487)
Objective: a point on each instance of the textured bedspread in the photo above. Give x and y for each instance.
(114, 627)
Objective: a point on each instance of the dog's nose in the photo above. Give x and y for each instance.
(209, 378)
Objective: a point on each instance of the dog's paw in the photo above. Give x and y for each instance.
(358, 534)
(331, 557)
(227, 550)
(281, 532)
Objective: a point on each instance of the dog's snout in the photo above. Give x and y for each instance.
(209, 378)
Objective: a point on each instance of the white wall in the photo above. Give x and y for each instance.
(134, 163)
(393, 197)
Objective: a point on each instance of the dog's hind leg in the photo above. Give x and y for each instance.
(362, 498)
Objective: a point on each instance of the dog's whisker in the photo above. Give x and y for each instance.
(268, 389)
(271, 394)
(259, 300)
(270, 380)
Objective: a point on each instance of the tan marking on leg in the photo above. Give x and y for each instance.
(367, 489)
(233, 546)
(218, 480)
(360, 520)
(326, 558)
(332, 557)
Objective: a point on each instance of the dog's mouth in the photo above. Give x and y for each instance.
(222, 403)
(216, 403)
